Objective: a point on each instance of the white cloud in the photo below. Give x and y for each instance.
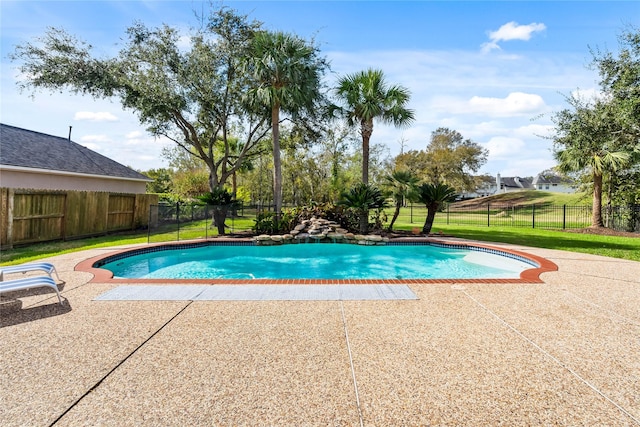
(511, 31)
(501, 147)
(533, 131)
(528, 167)
(144, 146)
(516, 103)
(101, 116)
(134, 134)
(589, 95)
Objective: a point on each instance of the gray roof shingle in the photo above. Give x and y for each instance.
(30, 149)
(516, 182)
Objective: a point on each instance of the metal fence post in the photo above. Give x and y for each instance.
(149, 226)
(488, 214)
(411, 214)
(533, 216)
(564, 217)
(178, 218)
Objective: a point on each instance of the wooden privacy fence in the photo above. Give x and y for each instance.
(30, 216)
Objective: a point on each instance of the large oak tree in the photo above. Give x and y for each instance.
(192, 96)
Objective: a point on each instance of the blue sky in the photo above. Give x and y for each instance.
(493, 71)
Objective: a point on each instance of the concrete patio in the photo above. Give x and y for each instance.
(563, 352)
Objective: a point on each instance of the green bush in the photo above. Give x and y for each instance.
(268, 222)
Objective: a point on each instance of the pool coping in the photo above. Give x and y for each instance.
(531, 275)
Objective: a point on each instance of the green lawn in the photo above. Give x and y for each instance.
(612, 246)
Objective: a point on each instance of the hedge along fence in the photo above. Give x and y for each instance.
(30, 216)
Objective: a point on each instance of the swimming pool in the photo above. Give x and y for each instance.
(316, 261)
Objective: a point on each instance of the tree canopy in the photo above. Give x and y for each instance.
(448, 158)
(601, 136)
(192, 96)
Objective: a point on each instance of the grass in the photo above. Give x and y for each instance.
(38, 251)
(193, 230)
(611, 246)
(530, 197)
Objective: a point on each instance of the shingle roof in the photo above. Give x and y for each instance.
(516, 182)
(550, 179)
(29, 149)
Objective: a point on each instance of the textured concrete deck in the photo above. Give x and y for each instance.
(563, 352)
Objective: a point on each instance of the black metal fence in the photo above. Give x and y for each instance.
(170, 222)
(180, 221)
(620, 218)
(499, 215)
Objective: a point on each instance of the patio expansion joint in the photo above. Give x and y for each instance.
(353, 372)
(120, 363)
(553, 358)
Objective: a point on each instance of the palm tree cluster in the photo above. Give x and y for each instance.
(401, 186)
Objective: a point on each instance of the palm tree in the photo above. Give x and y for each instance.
(367, 96)
(221, 201)
(401, 183)
(588, 139)
(598, 160)
(361, 199)
(433, 196)
(287, 73)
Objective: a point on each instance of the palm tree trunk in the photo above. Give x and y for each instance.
(219, 218)
(234, 192)
(277, 163)
(364, 222)
(431, 215)
(396, 213)
(596, 220)
(366, 129)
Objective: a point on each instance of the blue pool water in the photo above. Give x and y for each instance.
(317, 261)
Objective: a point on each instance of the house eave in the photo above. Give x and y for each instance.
(67, 173)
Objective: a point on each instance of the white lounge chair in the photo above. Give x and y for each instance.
(26, 268)
(29, 283)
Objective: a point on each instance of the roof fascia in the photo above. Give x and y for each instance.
(65, 173)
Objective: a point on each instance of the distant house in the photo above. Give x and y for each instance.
(515, 183)
(554, 183)
(33, 160)
(551, 183)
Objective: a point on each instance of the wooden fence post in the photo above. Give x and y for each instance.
(10, 196)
